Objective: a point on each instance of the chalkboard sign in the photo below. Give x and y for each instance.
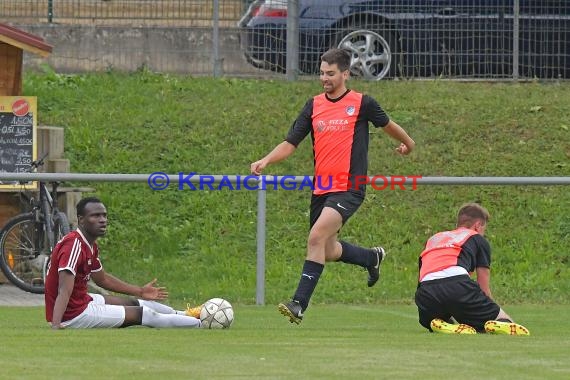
(18, 120)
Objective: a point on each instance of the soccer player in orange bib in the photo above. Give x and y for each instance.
(446, 293)
(338, 122)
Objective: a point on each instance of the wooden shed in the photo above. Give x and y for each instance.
(13, 43)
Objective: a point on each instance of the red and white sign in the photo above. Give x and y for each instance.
(20, 107)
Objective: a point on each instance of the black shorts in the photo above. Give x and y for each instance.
(345, 202)
(459, 297)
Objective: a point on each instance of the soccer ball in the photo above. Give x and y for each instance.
(217, 313)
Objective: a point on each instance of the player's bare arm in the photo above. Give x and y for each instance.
(112, 283)
(65, 288)
(398, 133)
(484, 280)
(279, 153)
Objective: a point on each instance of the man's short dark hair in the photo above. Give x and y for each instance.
(84, 202)
(339, 56)
(470, 213)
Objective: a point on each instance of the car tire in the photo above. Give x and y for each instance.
(374, 55)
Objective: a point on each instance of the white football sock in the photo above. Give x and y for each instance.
(153, 318)
(158, 307)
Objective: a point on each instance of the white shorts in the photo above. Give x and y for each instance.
(98, 315)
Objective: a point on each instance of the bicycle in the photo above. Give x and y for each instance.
(27, 239)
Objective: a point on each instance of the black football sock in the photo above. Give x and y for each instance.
(309, 279)
(352, 254)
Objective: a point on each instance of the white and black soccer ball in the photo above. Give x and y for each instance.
(217, 313)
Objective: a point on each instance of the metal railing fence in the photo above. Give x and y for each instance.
(121, 12)
(262, 194)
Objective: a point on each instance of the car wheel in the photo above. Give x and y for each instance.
(372, 55)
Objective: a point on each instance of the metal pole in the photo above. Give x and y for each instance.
(5, 178)
(50, 11)
(292, 40)
(216, 40)
(260, 271)
(516, 31)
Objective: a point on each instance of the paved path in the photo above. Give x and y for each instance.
(13, 296)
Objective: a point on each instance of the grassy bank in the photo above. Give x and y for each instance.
(202, 243)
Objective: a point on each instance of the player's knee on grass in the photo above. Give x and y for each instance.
(425, 322)
(133, 316)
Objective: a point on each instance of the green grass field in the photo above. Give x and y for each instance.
(333, 342)
(201, 244)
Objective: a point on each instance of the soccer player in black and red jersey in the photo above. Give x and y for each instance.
(338, 121)
(446, 293)
(75, 260)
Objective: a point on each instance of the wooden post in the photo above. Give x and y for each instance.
(10, 70)
(50, 140)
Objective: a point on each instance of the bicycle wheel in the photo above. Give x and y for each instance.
(60, 229)
(23, 252)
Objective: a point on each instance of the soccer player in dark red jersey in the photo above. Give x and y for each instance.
(338, 122)
(75, 260)
(445, 288)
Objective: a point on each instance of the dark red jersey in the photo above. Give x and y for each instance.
(75, 254)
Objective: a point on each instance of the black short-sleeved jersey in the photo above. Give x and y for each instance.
(339, 132)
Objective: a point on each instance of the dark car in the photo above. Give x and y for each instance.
(416, 38)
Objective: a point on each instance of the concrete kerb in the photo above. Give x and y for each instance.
(13, 296)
